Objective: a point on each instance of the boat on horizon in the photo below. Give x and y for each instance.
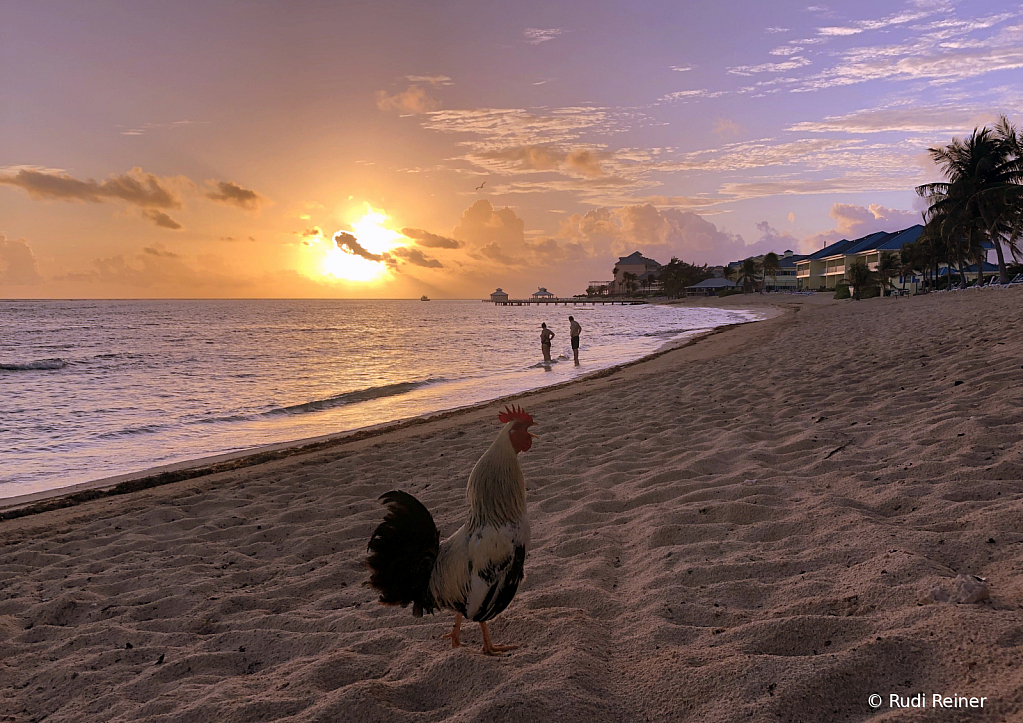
(424, 297)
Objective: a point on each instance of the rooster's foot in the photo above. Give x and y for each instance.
(489, 648)
(456, 641)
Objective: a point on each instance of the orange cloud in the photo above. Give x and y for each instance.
(18, 265)
(412, 100)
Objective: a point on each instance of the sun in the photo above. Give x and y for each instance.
(374, 238)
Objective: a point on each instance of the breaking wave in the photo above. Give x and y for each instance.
(36, 365)
(359, 395)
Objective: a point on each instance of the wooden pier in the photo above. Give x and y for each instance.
(567, 302)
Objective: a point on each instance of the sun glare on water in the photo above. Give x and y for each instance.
(370, 233)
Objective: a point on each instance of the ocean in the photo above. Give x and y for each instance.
(93, 389)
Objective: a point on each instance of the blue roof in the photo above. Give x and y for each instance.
(972, 269)
(879, 241)
(901, 238)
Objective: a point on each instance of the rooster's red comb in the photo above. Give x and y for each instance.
(514, 413)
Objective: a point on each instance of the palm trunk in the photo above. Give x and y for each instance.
(959, 260)
(1003, 274)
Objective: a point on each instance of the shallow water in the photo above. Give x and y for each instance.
(91, 389)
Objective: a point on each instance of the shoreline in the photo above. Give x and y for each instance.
(148, 478)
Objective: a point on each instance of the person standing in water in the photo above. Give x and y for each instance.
(575, 330)
(545, 341)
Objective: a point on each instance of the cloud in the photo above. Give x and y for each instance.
(348, 243)
(482, 224)
(430, 240)
(659, 234)
(682, 68)
(787, 50)
(160, 252)
(434, 80)
(725, 127)
(18, 265)
(502, 127)
(943, 53)
(855, 221)
(146, 127)
(159, 271)
(409, 101)
(581, 162)
(912, 118)
(852, 222)
(135, 187)
(900, 18)
(687, 94)
(792, 63)
(774, 240)
(535, 36)
(415, 256)
(234, 195)
(161, 219)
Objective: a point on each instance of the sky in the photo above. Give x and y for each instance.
(394, 149)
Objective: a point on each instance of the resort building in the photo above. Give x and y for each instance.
(821, 271)
(710, 287)
(542, 293)
(785, 278)
(499, 295)
(645, 270)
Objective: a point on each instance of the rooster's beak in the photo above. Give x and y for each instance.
(534, 436)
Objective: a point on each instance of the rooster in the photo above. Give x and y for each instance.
(477, 570)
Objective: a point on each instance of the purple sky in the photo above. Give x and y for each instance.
(170, 149)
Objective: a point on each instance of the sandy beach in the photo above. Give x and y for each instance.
(765, 525)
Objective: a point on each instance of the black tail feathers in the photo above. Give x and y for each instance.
(402, 551)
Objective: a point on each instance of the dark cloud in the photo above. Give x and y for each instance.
(136, 187)
(494, 252)
(235, 195)
(415, 257)
(350, 245)
(18, 265)
(162, 253)
(161, 219)
(431, 240)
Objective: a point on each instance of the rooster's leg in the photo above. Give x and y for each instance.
(455, 632)
(488, 647)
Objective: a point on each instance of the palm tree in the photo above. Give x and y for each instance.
(860, 277)
(887, 267)
(748, 274)
(629, 280)
(771, 265)
(984, 187)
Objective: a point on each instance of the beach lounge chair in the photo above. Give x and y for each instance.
(1017, 279)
